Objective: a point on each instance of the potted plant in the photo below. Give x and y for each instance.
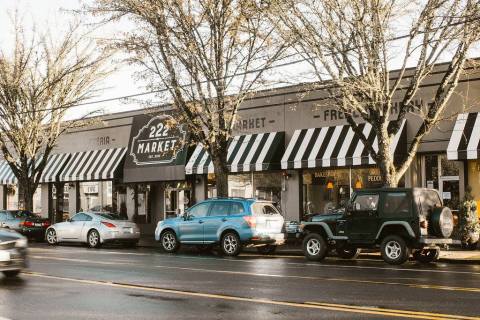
(469, 224)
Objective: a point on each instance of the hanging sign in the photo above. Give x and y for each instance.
(158, 141)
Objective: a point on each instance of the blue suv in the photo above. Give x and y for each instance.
(230, 222)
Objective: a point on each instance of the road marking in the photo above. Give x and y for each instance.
(307, 305)
(83, 260)
(237, 260)
(410, 285)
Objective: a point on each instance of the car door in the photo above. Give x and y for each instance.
(72, 229)
(191, 226)
(362, 220)
(217, 216)
(3, 219)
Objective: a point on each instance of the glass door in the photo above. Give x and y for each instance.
(450, 192)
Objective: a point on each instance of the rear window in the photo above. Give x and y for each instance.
(427, 201)
(111, 216)
(264, 209)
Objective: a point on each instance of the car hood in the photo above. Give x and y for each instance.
(9, 235)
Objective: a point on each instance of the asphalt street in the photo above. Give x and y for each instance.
(74, 282)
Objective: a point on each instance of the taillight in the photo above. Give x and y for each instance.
(26, 224)
(46, 223)
(108, 224)
(251, 221)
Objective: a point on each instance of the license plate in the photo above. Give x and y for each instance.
(37, 224)
(128, 230)
(4, 256)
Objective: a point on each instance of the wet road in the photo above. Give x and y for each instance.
(74, 282)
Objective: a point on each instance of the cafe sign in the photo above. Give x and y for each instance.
(158, 141)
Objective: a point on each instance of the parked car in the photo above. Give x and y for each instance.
(25, 222)
(399, 221)
(94, 229)
(230, 222)
(13, 252)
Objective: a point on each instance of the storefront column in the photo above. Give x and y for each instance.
(292, 196)
(3, 197)
(200, 188)
(73, 198)
(130, 202)
(158, 203)
(45, 199)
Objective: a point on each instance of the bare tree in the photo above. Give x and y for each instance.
(351, 46)
(209, 54)
(41, 79)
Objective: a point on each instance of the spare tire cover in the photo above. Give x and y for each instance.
(441, 221)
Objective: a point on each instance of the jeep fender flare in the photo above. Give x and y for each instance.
(325, 228)
(404, 224)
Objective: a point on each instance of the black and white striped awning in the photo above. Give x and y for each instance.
(333, 147)
(54, 166)
(93, 165)
(6, 174)
(465, 140)
(251, 152)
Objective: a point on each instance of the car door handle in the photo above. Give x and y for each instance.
(200, 221)
(224, 219)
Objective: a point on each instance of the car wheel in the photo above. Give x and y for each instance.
(93, 239)
(394, 250)
(426, 255)
(268, 249)
(11, 273)
(314, 247)
(348, 253)
(230, 244)
(51, 237)
(169, 242)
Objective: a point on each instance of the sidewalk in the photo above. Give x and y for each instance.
(453, 255)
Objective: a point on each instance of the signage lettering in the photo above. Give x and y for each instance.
(158, 141)
(251, 123)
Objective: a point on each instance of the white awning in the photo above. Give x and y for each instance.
(465, 140)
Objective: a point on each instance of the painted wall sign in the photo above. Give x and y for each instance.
(158, 141)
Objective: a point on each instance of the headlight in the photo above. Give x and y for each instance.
(21, 243)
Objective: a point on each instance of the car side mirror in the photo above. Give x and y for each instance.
(69, 220)
(185, 216)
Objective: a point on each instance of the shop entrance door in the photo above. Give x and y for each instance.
(176, 201)
(450, 192)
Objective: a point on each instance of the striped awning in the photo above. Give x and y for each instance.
(251, 152)
(333, 147)
(54, 166)
(6, 174)
(93, 165)
(465, 140)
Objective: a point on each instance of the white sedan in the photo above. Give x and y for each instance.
(94, 229)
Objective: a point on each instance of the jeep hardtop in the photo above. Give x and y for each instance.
(399, 221)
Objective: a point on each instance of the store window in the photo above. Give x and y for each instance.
(328, 190)
(240, 185)
(12, 197)
(268, 186)
(37, 200)
(443, 175)
(60, 200)
(96, 196)
(177, 198)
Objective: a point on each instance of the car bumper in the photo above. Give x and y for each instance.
(435, 241)
(33, 232)
(276, 239)
(13, 259)
(120, 236)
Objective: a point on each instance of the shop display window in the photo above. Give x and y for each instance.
(96, 196)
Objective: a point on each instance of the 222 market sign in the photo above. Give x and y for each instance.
(158, 142)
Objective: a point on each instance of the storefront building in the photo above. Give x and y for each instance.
(289, 146)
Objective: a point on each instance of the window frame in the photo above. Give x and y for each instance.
(209, 204)
(396, 213)
(366, 195)
(212, 205)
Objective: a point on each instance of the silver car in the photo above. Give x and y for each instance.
(94, 229)
(13, 252)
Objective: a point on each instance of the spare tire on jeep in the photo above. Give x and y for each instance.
(441, 222)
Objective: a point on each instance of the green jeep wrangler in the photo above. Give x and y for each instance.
(399, 221)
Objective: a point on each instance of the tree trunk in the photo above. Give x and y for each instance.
(219, 160)
(385, 161)
(25, 195)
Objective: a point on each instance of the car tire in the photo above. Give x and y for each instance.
(315, 247)
(169, 242)
(11, 273)
(230, 244)
(93, 239)
(268, 249)
(347, 253)
(394, 250)
(51, 237)
(426, 255)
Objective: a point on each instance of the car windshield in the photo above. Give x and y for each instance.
(110, 216)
